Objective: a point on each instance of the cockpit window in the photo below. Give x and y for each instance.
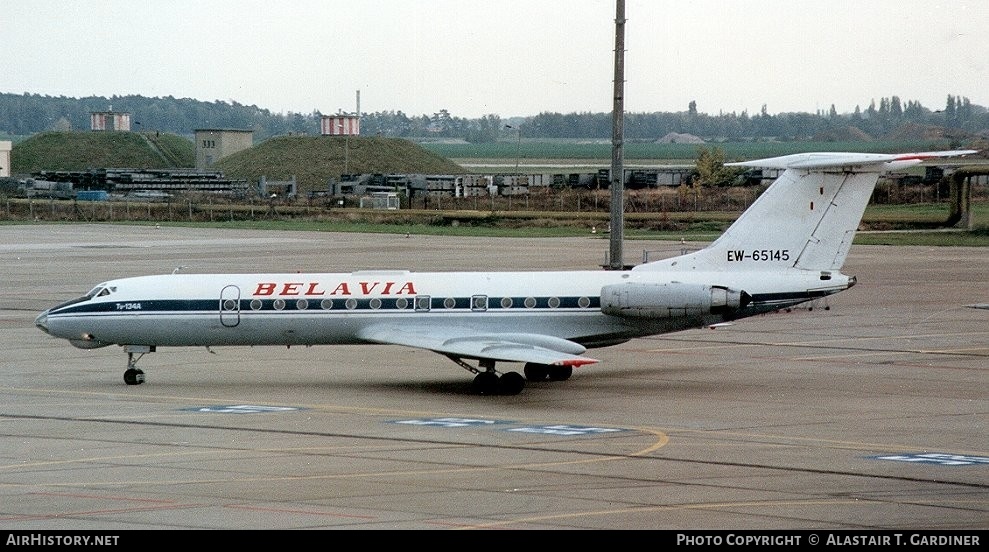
(100, 291)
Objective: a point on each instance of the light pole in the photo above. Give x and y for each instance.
(617, 257)
(346, 149)
(518, 146)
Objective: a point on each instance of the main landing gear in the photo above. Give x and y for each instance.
(134, 375)
(543, 372)
(488, 381)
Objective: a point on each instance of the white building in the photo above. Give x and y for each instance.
(5, 147)
(340, 124)
(109, 120)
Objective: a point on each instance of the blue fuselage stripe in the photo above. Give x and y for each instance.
(233, 306)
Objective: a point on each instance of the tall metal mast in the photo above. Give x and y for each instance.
(616, 256)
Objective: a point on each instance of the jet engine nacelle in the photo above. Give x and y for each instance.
(675, 299)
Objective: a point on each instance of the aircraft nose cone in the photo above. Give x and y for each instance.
(42, 321)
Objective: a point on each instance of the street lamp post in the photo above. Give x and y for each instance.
(346, 149)
(518, 146)
(617, 261)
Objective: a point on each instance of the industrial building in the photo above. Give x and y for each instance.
(5, 147)
(145, 183)
(109, 120)
(213, 144)
(341, 124)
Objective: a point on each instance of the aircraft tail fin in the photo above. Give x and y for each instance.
(806, 219)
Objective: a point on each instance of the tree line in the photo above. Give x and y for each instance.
(27, 114)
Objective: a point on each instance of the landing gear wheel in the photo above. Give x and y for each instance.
(133, 376)
(536, 372)
(511, 383)
(560, 373)
(486, 383)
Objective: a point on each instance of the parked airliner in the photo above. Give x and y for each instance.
(787, 248)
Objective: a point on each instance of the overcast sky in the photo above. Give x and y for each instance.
(504, 57)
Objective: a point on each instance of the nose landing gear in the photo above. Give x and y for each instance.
(134, 375)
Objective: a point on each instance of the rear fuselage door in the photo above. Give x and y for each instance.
(230, 306)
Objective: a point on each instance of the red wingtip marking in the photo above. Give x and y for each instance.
(912, 157)
(575, 363)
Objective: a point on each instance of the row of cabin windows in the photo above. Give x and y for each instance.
(422, 303)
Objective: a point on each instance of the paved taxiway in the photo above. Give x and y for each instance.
(869, 411)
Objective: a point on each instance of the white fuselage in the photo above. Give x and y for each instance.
(323, 309)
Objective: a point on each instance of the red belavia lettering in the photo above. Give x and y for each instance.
(786, 249)
(318, 289)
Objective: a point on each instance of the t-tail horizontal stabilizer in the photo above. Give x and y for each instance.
(806, 219)
(817, 161)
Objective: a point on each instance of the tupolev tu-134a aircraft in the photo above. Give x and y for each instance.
(787, 248)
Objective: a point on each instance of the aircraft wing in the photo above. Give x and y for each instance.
(460, 343)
